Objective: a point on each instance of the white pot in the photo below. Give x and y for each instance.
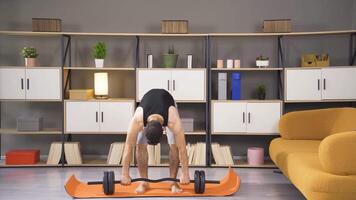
(262, 63)
(99, 63)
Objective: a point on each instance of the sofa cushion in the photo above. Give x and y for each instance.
(336, 153)
(317, 124)
(280, 149)
(307, 174)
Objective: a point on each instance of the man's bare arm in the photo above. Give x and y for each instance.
(136, 125)
(175, 125)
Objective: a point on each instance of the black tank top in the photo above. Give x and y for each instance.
(156, 101)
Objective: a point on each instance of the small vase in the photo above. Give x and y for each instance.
(170, 60)
(99, 63)
(30, 62)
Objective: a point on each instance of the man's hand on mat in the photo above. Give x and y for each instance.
(184, 180)
(125, 180)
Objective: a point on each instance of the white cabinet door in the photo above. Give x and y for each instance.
(229, 117)
(12, 84)
(263, 117)
(115, 116)
(43, 83)
(188, 85)
(152, 79)
(303, 85)
(82, 117)
(339, 83)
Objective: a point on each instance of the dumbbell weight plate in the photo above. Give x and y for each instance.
(109, 182)
(202, 182)
(197, 182)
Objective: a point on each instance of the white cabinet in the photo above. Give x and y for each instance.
(339, 83)
(333, 83)
(263, 117)
(184, 85)
(30, 83)
(12, 84)
(303, 84)
(188, 85)
(230, 117)
(150, 79)
(99, 116)
(82, 117)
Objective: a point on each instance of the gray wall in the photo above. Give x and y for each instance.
(144, 16)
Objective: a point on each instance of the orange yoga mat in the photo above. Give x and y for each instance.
(228, 186)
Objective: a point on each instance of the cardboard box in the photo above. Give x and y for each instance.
(174, 26)
(313, 60)
(188, 124)
(29, 124)
(22, 157)
(46, 25)
(81, 94)
(277, 26)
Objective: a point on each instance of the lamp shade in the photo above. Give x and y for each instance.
(101, 84)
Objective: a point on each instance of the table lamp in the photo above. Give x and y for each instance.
(101, 85)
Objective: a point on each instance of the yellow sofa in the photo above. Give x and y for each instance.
(317, 152)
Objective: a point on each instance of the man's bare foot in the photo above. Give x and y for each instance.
(175, 188)
(142, 188)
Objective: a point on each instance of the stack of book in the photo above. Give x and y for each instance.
(197, 153)
(154, 154)
(222, 154)
(55, 152)
(115, 153)
(72, 153)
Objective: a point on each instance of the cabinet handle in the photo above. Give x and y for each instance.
(243, 117)
(324, 83)
(168, 84)
(96, 116)
(22, 84)
(28, 84)
(102, 116)
(174, 85)
(318, 84)
(249, 117)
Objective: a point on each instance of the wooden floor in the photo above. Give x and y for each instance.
(47, 183)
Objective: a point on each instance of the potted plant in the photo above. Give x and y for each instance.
(261, 92)
(30, 54)
(170, 59)
(262, 61)
(99, 53)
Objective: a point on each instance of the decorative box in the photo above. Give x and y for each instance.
(174, 26)
(312, 60)
(22, 157)
(81, 94)
(46, 25)
(277, 26)
(262, 63)
(29, 124)
(188, 124)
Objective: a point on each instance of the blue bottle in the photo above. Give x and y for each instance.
(236, 86)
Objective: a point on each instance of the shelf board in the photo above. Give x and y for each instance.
(31, 100)
(102, 100)
(43, 132)
(195, 133)
(42, 163)
(250, 101)
(96, 133)
(101, 69)
(248, 69)
(30, 33)
(171, 68)
(244, 164)
(332, 67)
(337, 32)
(321, 101)
(244, 134)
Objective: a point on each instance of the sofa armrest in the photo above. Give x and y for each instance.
(317, 124)
(337, 153)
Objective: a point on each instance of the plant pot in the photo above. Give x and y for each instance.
(170, 60)
(261, 96)
(30, 62)
(99, 63)
(262, 63)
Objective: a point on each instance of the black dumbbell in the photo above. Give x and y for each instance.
(109, 182)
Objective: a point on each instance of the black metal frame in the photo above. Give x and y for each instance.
(352, 49)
